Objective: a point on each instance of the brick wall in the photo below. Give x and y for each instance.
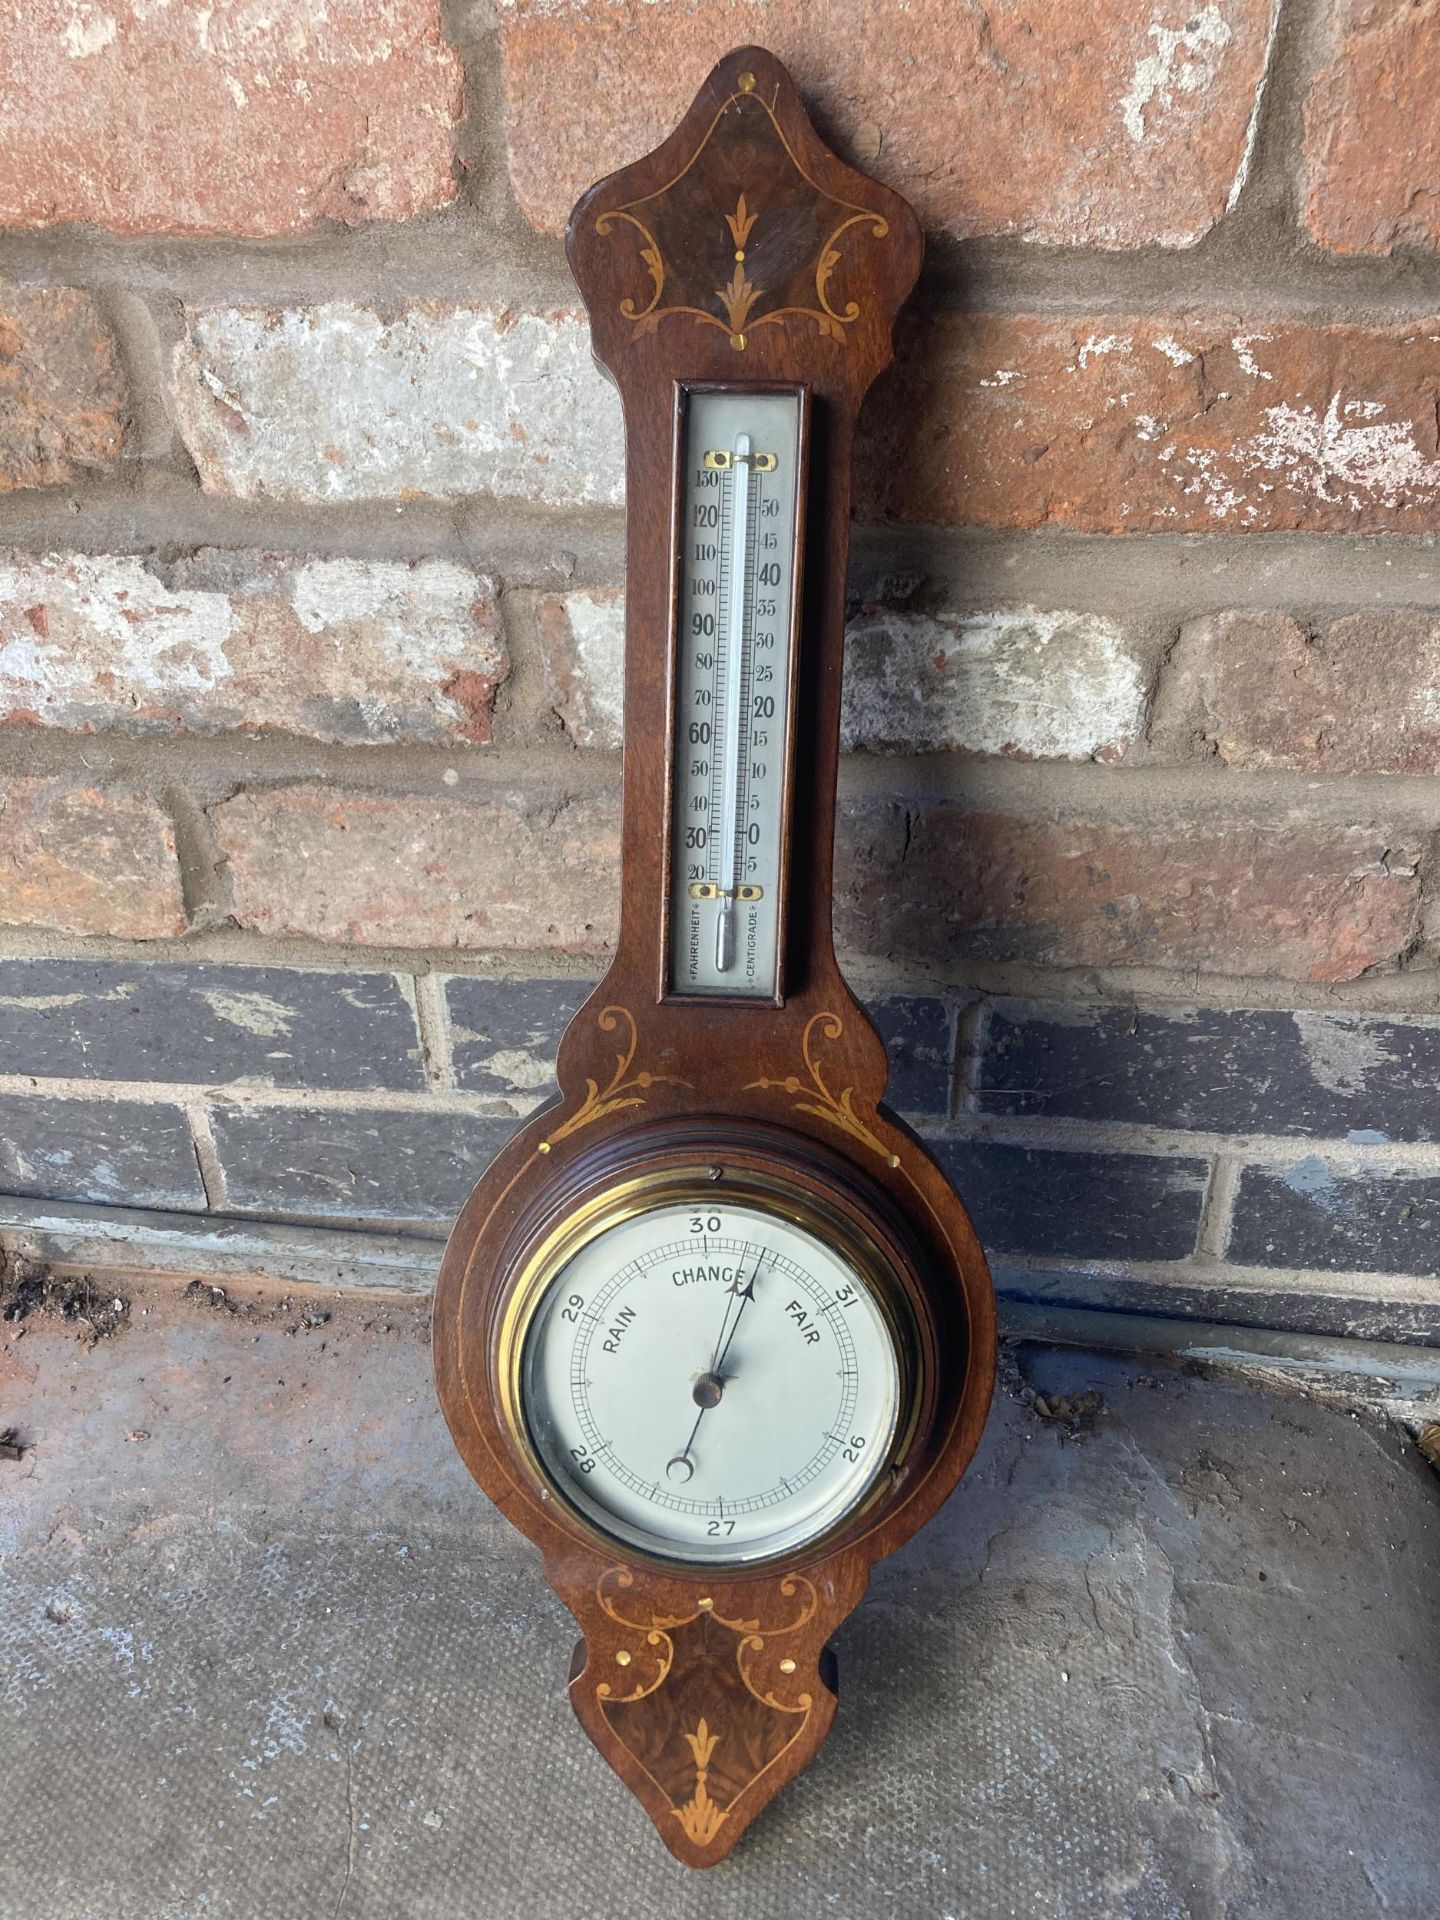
(310, 615)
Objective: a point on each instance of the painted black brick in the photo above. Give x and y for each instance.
(504, 1032)
(1080, 1206)
(1309, 1310)
(1311, 1214)
(920, 1035)
(1324, 1074)
(337, 1165)
(207, 1025)
(113, 1153)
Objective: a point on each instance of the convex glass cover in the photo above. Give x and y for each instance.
(713, 1379)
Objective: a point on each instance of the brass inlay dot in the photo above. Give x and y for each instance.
(706, 1605)
(740, 253)
(737, 340)
(747, 83)
(622, 1658)
(787, 1666)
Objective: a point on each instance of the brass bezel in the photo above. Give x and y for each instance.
(612, 1205)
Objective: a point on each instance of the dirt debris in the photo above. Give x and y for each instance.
(1077, 1413)
(98, 1312)
(204, 1293)
(1074, 1414)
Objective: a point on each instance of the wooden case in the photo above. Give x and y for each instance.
(707, 1690)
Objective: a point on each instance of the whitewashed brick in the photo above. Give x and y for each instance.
(583, 637)
(336, 402)
(338, 650)
(1030, 684)
(1034, 685)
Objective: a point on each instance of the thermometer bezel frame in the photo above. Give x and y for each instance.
(800, 391)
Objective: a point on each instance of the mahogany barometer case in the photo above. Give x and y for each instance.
(713, 1330)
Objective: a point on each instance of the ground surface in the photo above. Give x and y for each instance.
(265, 1652)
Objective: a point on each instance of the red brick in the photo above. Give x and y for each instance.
(1106, 125)
(499, 869)
(1300, 903)
(61, 391)
(582, 641)
(1257, 690)
(1129, 423)
(88, 859)
(1372, 130)
(225, 119)
(340, 650)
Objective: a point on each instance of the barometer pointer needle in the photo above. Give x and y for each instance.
(732, 1292)
(747, 1294)
(711, 1379)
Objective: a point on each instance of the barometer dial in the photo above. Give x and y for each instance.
(711, 1382)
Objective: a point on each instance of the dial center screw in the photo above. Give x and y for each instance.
(708, 1390)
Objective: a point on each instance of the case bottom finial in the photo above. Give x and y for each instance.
(706, 1702)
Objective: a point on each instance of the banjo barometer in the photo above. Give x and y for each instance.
(713, 1330)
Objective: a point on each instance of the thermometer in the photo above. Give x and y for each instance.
(732, 743)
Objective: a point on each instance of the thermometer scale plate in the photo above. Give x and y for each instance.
(737, 614)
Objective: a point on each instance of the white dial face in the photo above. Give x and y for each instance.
(711, 1382)
(734, 653)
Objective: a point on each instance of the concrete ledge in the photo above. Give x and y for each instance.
(122, 1246)
(119, 1242)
